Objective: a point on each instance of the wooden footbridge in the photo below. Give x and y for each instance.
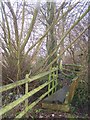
(53, 98)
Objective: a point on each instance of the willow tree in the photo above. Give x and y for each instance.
(13, 42)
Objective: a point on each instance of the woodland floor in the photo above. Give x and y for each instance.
(38, 112)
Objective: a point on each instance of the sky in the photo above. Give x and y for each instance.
(49, 0)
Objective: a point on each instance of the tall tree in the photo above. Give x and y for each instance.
(51, 40)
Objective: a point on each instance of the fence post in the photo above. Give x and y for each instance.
(49, 79)
(26, 91)
(53, 80)
(56, 79)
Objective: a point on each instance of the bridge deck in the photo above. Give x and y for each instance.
(59, 96)
(56, 100)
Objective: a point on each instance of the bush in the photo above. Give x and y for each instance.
(81, 99)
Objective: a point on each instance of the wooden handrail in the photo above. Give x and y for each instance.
(34, 103)
(21, 82)
(74, 65)
(25, 97)
(52, 72)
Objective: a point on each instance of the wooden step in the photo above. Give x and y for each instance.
(56, 107)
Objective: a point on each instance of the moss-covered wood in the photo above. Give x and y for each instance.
(28, 94)
(72, 65)
(21, 82)
(56, 80)
(34, 103)
(26, 91)
(23, 98)
(59, 107)
(49, 79)
(53, 80)
(70, 70)
(72, 89)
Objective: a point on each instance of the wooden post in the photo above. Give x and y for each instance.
(49, 79)
(61, 65)
(53, 80)
(26, 91)
(56, 79)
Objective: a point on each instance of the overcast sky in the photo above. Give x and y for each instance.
(50, 0)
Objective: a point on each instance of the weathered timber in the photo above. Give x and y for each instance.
(56, 79)
(70, 70)
(74, 65)
(49, 84)
(53, 81)
(21, 82)
(20, 100)
(72, 89)
(59, 107)
(26, 91)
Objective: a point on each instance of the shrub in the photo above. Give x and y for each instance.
(81, 99)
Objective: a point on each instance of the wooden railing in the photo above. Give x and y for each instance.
(51, 83)
(71, 68)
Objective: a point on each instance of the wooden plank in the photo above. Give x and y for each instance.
(57, 107)
(72, 89)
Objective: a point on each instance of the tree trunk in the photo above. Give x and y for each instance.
(51, 41)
